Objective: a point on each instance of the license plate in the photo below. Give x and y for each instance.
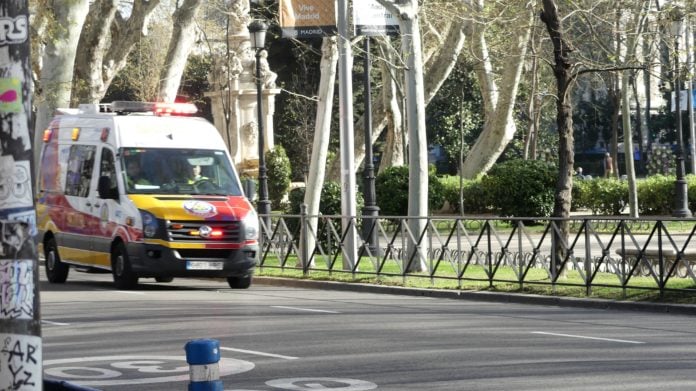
(203, 265)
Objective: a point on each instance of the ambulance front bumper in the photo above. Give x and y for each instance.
(153, 260)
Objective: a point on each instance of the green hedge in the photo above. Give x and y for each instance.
(391, 188)
(278, 172)
(329, 200)
(605, 196)
(522, 188)
(474, 196)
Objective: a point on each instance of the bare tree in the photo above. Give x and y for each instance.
(55, 81)
(182, 40)
(106, 40)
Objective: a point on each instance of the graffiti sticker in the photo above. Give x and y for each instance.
(20, 362)
(16, 289)
(10, 95)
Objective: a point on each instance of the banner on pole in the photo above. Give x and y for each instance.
(307, 18)
(373, 19)
(683, 100)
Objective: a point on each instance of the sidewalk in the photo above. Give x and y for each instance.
(519, 298)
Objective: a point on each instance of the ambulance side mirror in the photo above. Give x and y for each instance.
(105, 189)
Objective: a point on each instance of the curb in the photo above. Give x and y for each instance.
(498, 297)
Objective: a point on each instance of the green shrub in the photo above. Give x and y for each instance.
(329, 201)
(606, 196)
(691, 185)
(391, 188)
(655, 195)
(278, 171)
(581, 194)
(474, 196)
(522, 188)
(329, 205)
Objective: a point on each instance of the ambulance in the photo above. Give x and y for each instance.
(142, 190)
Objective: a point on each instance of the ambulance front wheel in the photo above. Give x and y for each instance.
(56, 270)
(124, 278)
(239, 282)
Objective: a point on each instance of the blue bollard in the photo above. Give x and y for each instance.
(203, 356)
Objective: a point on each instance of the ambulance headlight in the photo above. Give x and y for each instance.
(149, 224)
(251, 226)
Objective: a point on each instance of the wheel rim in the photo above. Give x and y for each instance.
(119, 266)
(51, 260)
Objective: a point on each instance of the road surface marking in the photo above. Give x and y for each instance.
(131, 292)
(304, 309)
(129, 370)
(320, 383)
(584, 337)
(260, 353)
(54, 323)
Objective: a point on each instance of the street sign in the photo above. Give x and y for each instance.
(373, 19)
(307, 18)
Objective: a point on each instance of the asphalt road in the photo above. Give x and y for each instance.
(283, 338)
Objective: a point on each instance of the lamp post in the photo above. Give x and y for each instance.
(257, 32)
(370, 209)
(681, 193)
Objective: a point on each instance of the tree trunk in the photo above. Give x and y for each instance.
(534, 102)
(180, 45)
(104, 45)
(615, 99)
(393, 153)
(564, 123)
(418, 143)
(499, 127)
(437, 68)
(320, 146)
(628, 56)
(628, 144)
(55, 81)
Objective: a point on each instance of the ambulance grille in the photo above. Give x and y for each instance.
(189, 231)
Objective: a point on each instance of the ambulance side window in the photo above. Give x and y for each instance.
(107, 169)
(79, 172)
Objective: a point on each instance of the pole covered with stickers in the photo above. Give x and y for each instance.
(20, 324)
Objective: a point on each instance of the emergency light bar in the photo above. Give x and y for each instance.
(158, 108)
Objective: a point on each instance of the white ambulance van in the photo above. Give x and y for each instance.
(142, 190)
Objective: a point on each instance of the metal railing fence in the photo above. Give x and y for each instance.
(624, 253)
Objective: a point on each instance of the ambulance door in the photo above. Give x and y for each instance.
(75, 240)
(105, 207)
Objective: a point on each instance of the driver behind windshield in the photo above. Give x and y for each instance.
(196, 174)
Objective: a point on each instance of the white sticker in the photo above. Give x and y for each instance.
(200, 208)
(20, 362)
(15, 183)
(13, 30)
(16, 289)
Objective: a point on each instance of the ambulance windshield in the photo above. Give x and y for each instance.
(178, 171)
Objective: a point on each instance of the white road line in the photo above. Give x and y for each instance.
(260, 353)
(584, 337)
(304, 309)
(54, 323)
(131, 292)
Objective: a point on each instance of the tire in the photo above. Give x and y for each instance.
(56, 270)
(239, 282)
(164, 279)
(124, 278)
